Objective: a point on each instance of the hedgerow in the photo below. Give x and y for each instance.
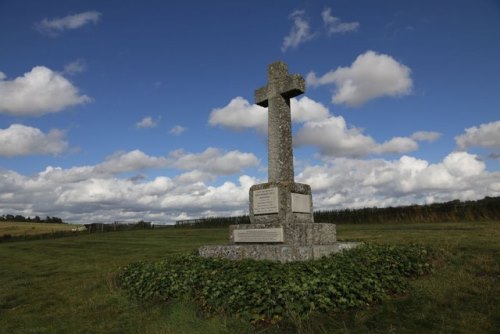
(267, 291)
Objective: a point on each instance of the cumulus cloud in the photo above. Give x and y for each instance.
(81, 194)
(75, 67)
(213, 160)
(147, 122)
(370, 76)
(38, 92)
(177, 130)
(87, 194)
(57, 25)
(202, 166)
(343, 182)
(396, 145)
(334, 25)
(299, 33)
(486, 135)
(333, 137)
(239, 113)
(429, 136)
(19, 140)
(136, 160)
(101, 193)
(329, 133)
(305, 110)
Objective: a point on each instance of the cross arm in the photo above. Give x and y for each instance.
(261, 97)
(293, 85)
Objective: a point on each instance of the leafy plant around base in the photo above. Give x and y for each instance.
(267, 291)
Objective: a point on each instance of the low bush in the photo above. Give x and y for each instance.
(267, 291)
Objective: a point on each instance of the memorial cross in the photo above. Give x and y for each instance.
(276, 96)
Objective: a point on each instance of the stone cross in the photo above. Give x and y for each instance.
(276, 96)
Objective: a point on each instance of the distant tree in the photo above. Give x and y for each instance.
(19, 218)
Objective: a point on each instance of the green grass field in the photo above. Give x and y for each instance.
(67, 285)
(17, 228)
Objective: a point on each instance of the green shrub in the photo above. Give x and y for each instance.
(267, 291)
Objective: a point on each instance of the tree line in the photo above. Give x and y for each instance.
(213, 221)
(36, 219)
(485, 209)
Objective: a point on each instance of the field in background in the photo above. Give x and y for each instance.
(67, 285)
(22, 228)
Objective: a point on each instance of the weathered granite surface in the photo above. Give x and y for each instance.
(276, 96)
(285, 213)
(277, 253)
(298, 234)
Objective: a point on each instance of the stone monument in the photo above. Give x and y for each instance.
(282, 224)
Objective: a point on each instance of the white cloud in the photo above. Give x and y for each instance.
(101, 194)
(24, 140)
(320, 129)
(354, 183)
(147, 122)
(75, 67)
(334, 25)
(87, 194)
(370, 76)
(463, 164)
(299, 33)
(202, 166)
(107, 198)
(334, 138)
(305, 110)
(429, 136)
(486, 135)
(213, 160)
(122, 162)
(177, 130)
(38, 92)
(55, 26)
(239, 113)
(397, 145)
(194, 176)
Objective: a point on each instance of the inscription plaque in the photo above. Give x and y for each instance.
(259, 235)
(301, 203)
(265, 201)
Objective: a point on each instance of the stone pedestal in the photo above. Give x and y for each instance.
(301, 234)
(277, 253)
(281, 202)
(278, 242)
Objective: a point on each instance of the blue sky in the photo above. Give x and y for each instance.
(128, 110)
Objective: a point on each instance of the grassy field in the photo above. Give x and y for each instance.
(18, 228)
(67, 285)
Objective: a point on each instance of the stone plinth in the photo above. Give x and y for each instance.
(300, 234)
(281, 203)
(277, 253)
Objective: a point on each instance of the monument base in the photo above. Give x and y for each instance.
(277, 253)
(299, 234)
(279, 242)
